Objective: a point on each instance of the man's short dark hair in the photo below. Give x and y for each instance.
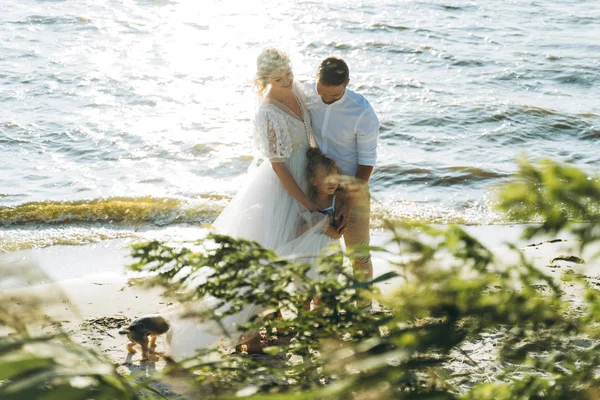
(333, 71)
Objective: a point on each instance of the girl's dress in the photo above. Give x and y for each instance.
(308, 246)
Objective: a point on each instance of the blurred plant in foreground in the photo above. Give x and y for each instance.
(38, 365)
(453, 292)
(449, 293)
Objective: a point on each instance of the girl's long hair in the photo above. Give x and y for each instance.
(315, 158)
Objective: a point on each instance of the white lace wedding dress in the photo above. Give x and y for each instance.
(263, 211)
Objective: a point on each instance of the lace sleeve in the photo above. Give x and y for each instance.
(271, 135)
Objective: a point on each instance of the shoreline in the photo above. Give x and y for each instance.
(68, 261)
(92, 305)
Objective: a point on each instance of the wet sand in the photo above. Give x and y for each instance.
(92, 307)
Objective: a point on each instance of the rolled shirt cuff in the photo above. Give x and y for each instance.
(365, 160)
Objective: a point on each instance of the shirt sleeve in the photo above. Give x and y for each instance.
(271, 135)
(367, 130)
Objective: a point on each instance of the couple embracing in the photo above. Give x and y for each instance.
(313, 136)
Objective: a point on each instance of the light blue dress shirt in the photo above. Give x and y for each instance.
(346, 130)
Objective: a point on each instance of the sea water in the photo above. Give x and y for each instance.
(121, 117)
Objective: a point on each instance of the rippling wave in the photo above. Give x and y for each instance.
(454, 176)
(119, 217)
(21, 238)
(142, 210)
(138, 114)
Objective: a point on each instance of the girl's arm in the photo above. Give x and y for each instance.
(332, 230)
(288, 182)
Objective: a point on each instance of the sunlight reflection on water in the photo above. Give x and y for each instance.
(141, 98)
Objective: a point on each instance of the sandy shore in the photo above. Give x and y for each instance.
(93, 306)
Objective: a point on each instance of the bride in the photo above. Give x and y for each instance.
(270, 208)
(267, 209)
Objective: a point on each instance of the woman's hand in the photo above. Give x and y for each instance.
(288, 182)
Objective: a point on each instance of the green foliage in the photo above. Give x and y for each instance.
(49, 366)
(450, 294)
(238, 273)
(55, 368)
(558, 194)
(403, 352)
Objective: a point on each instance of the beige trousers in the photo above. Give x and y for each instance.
(357, 234)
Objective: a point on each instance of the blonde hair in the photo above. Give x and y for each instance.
(269, 60)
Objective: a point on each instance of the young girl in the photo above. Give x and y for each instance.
(318, 230)
(322, 174)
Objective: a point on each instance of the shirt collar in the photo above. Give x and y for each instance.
(340, 101)
(344, 96)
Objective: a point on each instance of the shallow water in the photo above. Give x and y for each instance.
(137, 112)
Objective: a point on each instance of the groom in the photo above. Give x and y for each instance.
(345, 128)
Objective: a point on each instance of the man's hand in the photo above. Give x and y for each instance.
(333, 233)
(364, 172)
(342, 216)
